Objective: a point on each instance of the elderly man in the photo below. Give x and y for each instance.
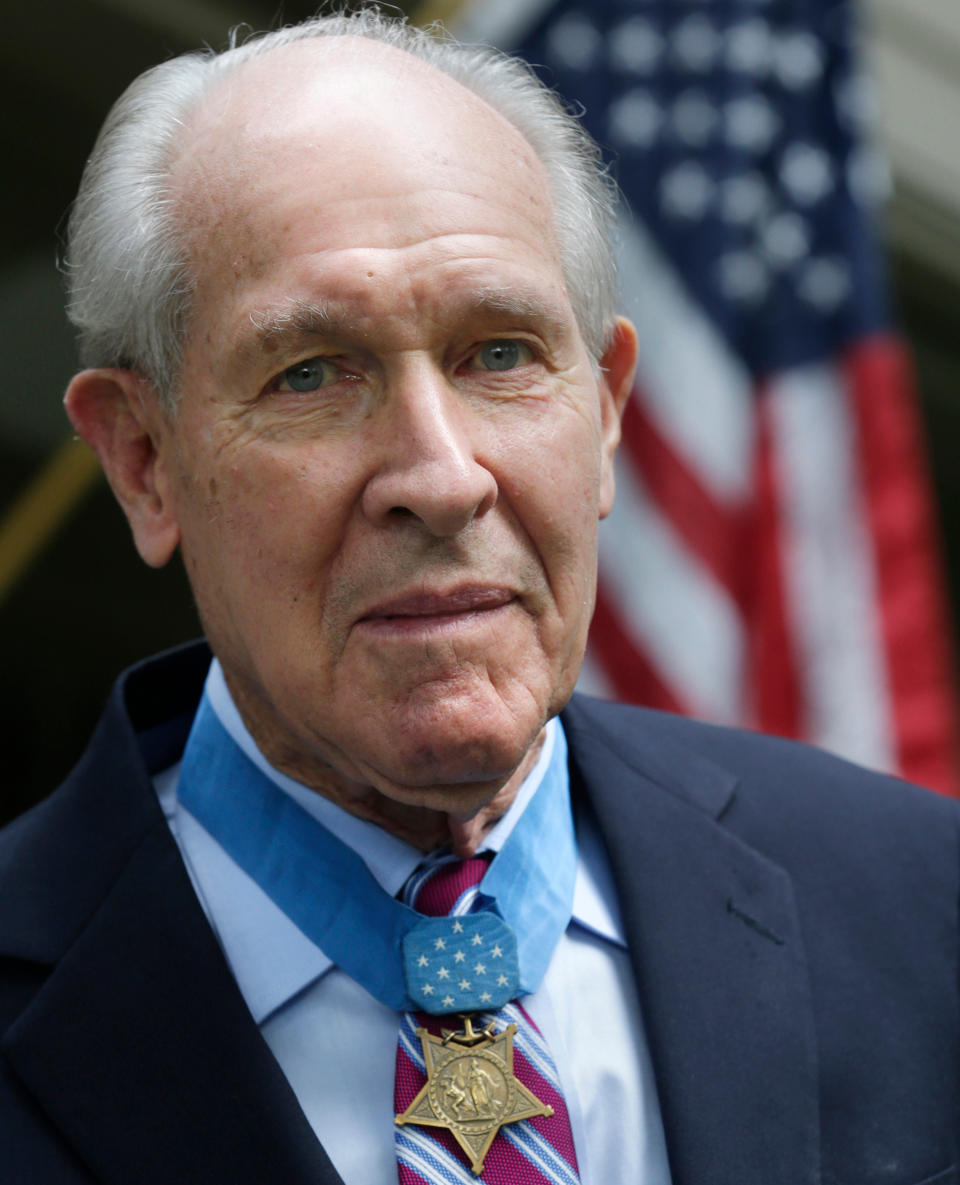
(354, 901)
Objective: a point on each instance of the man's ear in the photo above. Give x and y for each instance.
(616, 382)
(119, 415)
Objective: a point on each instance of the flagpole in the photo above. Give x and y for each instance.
(442, 12)
(42, 508)
(69, 473)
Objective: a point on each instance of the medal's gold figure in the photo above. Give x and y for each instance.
(470, 1088)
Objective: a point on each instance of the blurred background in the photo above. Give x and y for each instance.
(76, 604)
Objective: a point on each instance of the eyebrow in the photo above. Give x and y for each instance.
(518, 304)
(307, 322)
(273, 327)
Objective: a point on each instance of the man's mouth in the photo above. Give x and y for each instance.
(429, 610)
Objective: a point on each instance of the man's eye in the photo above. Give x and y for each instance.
(501, 355)
(309, 375)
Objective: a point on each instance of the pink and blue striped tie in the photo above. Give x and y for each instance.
(533, 1151)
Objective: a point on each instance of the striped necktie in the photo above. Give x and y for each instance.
(532, 1151)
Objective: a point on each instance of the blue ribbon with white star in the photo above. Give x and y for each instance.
(328, 892)
(461, 964)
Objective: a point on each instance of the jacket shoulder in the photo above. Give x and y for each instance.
(59, 858)
(778, 795)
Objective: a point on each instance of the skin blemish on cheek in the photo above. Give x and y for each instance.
(213, 487)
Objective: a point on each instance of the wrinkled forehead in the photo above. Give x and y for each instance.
(349, 117)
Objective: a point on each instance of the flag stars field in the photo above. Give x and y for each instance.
(741, 136)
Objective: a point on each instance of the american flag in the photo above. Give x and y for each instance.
(772, 557)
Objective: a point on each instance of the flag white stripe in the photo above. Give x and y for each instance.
(593, 679)
(694, 388)
(671, 605)
(831, 581)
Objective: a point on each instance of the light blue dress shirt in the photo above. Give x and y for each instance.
(337, 1044)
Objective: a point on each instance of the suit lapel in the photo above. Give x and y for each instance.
(139, 1046)
(158, 1073)
(720, 966)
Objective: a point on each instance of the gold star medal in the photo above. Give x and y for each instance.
(470, 1088)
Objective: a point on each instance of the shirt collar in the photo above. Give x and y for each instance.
(271, 959)
(391, 860)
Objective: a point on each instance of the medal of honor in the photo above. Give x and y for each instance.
(470, 1088)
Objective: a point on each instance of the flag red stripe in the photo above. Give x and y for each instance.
(916, 638)
(631, 672)
(711, 531)
(774, 683)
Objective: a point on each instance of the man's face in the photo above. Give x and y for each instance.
(391, 451)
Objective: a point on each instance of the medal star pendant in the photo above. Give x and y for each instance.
(470, 1088)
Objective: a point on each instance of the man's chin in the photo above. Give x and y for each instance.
(471, 727)
(452, 783)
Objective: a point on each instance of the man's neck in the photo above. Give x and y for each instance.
(424, 828)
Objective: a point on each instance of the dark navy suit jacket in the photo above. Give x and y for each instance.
(792, 923)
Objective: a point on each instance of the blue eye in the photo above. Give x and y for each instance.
(502, 355)
(309, 375)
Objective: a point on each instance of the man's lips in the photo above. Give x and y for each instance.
(433, 607)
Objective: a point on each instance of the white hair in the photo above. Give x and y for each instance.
(130, 286)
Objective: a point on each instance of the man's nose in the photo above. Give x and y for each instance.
(430, 465)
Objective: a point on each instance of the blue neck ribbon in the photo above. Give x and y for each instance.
(325, 888)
